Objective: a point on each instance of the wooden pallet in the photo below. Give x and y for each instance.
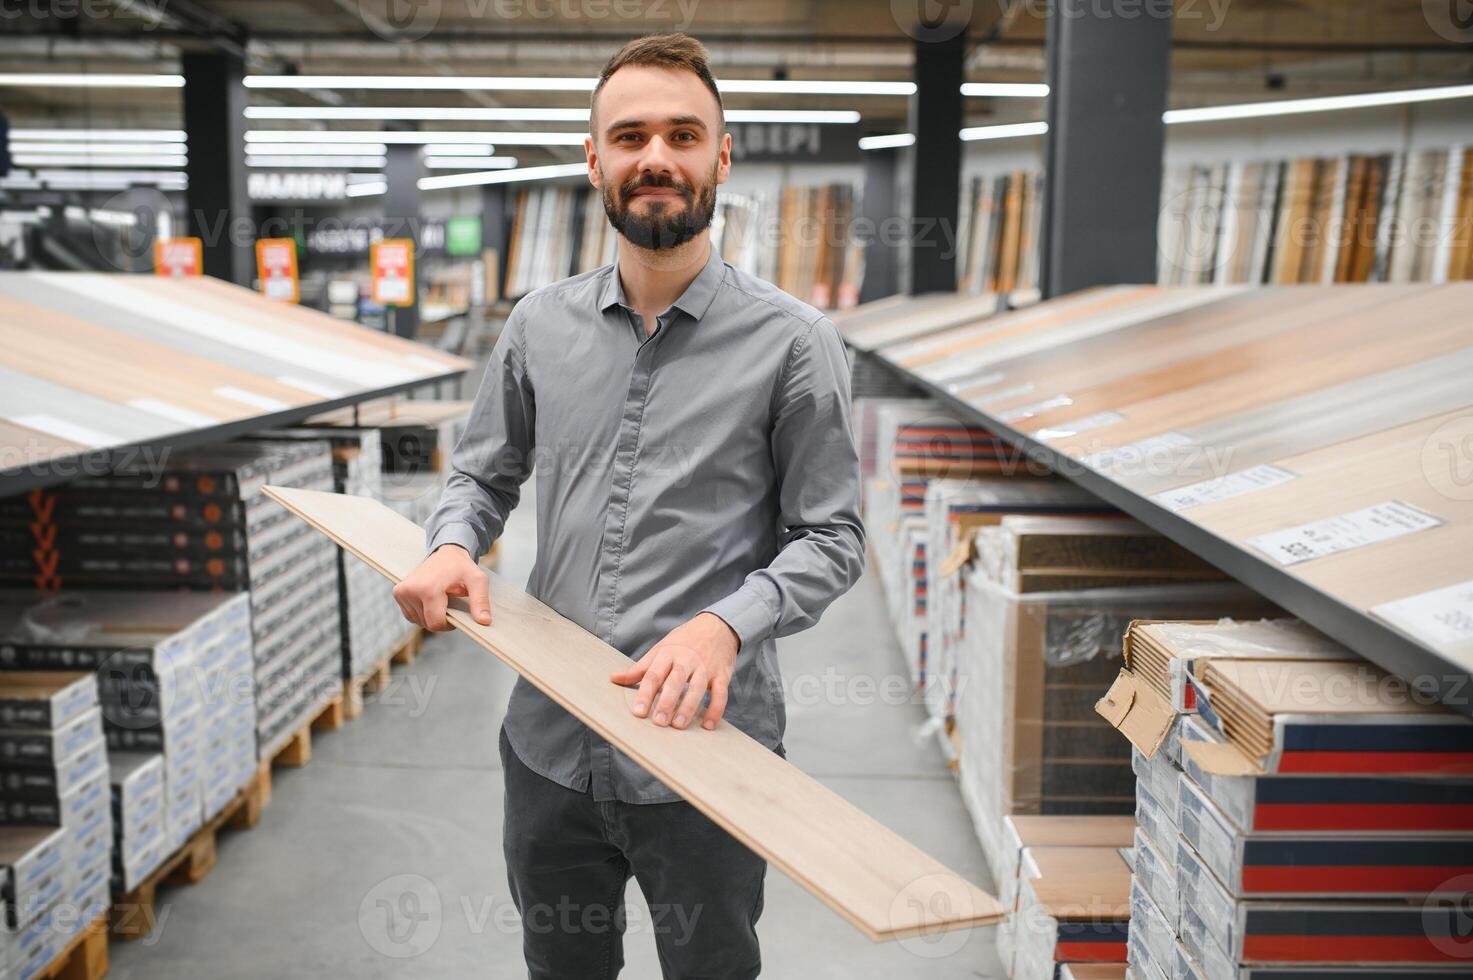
(297, 751)
(85, 957)
(410, 648)
(133, 916)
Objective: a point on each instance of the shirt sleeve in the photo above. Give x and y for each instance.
(817, 466)
(494, 456)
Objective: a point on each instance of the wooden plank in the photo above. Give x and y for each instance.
(882, 884)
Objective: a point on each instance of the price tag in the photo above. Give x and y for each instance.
(1224, 487)
(1379, 522)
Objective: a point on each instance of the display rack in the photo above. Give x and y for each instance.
(1278, 375)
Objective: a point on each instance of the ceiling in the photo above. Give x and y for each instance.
(1223, 50)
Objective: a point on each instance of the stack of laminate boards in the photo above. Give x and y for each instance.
(56, 825)
(1301, 813)
(1390, 217)
(999, 238)
(1293, 424)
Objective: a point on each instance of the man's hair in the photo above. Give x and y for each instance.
(677, 50)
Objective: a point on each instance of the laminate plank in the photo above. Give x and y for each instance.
(913, 322)
(21, 446)
(1316, 420)
(1160, 344)
(292, 321)
(878, 881)
(75, 416)
(1297, 363)
(1307, 335)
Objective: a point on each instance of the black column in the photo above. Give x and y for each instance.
(404, 167)
(495, 229)
(935, 119)
(881, 272)
(218, 206)
(1102, 180)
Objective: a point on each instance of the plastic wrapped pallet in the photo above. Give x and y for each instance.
(1073, 907)
(1030, 669)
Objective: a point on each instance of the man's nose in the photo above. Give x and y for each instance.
(657, 157)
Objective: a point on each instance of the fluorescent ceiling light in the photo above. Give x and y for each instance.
(482, 83)
(456, 150)
(128, 176)
(505, 114)
(367, 188)
(886, 142)
(100, 135)
(78, 80)
(26, 159)
(503, 176)
(468, 163)
(19, 182)
(1004, 132)
(1329, 103)
(309, 150)
(324, 162)
(416, 113)
(97, 149)
(1006, 90)
(313, 136)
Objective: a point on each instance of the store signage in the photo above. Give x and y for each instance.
(178, 257)
(276, 267)
(392, 264)
(795, 142)
(463, 236)
(275, 185)
(350, 237)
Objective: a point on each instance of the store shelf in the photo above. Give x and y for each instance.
(1344, 387)
(99, 369)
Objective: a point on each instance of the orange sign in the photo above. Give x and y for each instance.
(276, 266)
(392, 265)
(178, 257)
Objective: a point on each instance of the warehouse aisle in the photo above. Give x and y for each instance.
(400, 812)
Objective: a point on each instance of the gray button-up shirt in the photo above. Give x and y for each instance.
(708, 467)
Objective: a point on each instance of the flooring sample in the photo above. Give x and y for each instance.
(882, 884)
(387, 412)
(923, 319)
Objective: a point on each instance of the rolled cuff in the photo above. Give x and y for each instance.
(456, 532)
(747, 615)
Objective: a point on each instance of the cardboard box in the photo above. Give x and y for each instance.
(45, 748)
(45, 699)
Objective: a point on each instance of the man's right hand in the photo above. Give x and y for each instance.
(448, 571)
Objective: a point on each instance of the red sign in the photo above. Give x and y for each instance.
(178, 257)
(276, 266)
(392, 264)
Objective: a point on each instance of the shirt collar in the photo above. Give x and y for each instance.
(694, 302)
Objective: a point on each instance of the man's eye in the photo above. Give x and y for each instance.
(629, 136)
(681, 136)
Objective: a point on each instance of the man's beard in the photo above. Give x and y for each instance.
(660, 226)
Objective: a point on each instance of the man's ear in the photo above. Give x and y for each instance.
(723, 158)
(592, 154)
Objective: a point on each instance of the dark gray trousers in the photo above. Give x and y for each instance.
(568, 861)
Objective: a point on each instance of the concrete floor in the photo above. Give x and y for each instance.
(397, 819)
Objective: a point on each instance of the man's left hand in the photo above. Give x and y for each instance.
(697, 656)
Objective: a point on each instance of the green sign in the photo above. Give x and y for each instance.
(463, 236)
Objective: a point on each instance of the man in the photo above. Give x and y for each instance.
(697, 496)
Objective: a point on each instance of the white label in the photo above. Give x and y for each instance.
(985, 381)
(1136, 451)
(251, 398)
(69, 431)
(1083, 425)
(292, 381)
(1443, 617)
(275, 287)
(1223, 487)
(1028, 411)
(1380, 522)
(155, 407)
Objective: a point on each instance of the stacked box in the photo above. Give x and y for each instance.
(1072, 907)
(56, 826)
(372, 624)
(226, 535)
(1343, 849)
(1030, 669)
(141, 837)
(174, 674)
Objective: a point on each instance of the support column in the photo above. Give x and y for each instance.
(404, 167)
(935, 119)
(495, 225)
(217, 204)
(1107, 79)
(879, 206)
